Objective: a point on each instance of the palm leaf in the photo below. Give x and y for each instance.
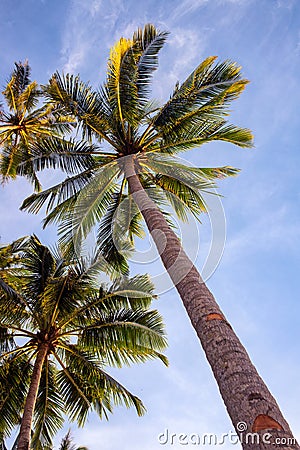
(203, 85)
(150, 40)
(19, 81)
(59, 195)
(121, 80)
(55, 153)
(48, 410)
(110, 244)
(126, 336)
(90, 206)
(78, 99)
(102, 390)
(14, 379)
(182, 198)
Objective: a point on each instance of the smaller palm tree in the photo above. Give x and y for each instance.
(59, 329)
(66, 444)
(25, 122)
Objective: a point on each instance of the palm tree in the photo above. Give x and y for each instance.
(59, 329)
(66, 443)
(140, 170)
(25, 121)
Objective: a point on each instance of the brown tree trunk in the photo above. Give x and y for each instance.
(26, 424)
(253, 410)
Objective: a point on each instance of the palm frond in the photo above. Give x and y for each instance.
(90, 206)
(126, 336)
(69, 156)
(207, 82)
(111, 245)
(120, 86)
(66, 443)
(182, 198)
(19, 81)
(169, 166)
(80, 101)
(204, 132)
(60, 195)
(14, 379)
(39, 264)
(48, 409)
(102, 390)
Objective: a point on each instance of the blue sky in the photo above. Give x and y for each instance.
(256, 282)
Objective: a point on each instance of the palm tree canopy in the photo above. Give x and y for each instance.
(23, 122)
(121, 117)
(49, 298)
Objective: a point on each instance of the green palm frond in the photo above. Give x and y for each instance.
(136, 292)
(137, 335)
(169, 166)
(121, 80)
(215, 131)
(49, 406)
(117, 229)
(55, 196)
(38, 262)
(19, 81)
(72, 389)
(208, 83)
(150, 41)
(77, 99)
(69, 156)
(111, 243)
(90, 206)
(14, 379)
(182, 198)
(102, 391)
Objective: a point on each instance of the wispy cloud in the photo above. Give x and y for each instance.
(187, 7)
(88, 31)
(286, 3)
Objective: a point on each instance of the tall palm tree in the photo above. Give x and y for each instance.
(59, 329)
(25, 121)
(139, 169)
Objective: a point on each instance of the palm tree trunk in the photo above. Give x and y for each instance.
(26, 424)
(248, 401)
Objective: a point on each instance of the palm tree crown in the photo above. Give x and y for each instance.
(25, 122)
(53, 305)
(122, 116)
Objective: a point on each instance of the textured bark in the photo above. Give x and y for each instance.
(26, 424)
(245, 394)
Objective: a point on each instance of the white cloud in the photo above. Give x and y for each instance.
(187, 7)
(88, 30)
(288, 4)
